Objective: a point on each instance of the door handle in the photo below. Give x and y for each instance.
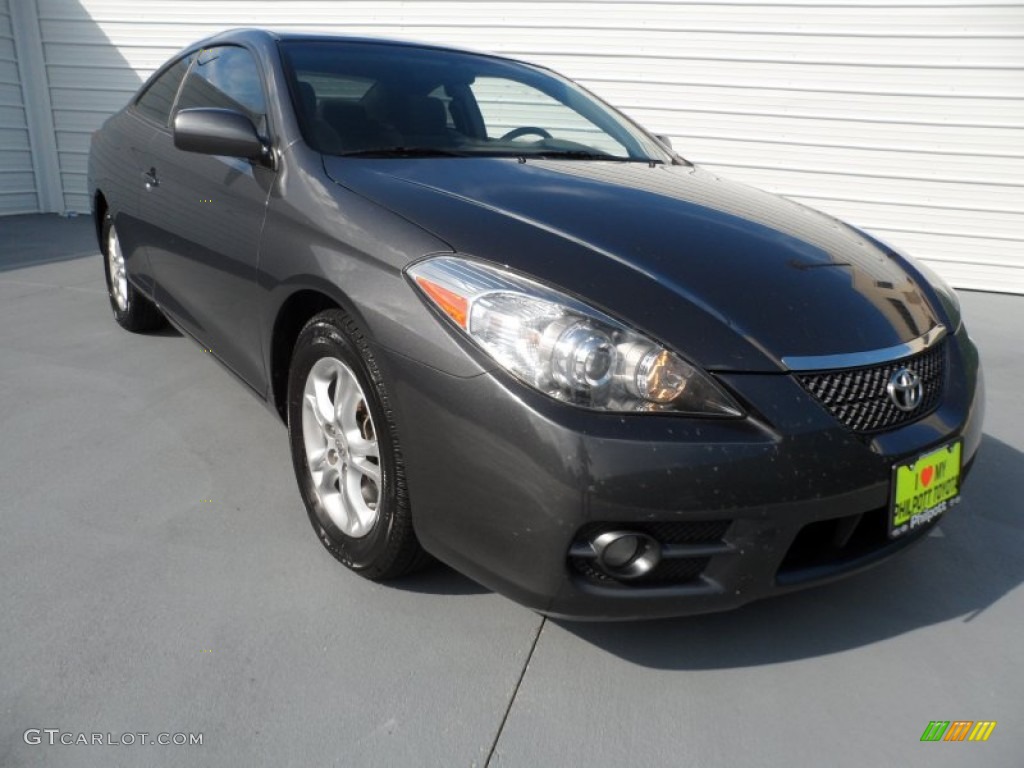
(151, 179)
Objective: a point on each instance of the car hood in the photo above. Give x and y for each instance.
(733, 277)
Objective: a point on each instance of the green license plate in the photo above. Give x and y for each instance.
(924, 488)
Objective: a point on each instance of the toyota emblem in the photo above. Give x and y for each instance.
(905, 389)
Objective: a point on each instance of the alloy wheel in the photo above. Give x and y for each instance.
(342, 453)
(118, 275)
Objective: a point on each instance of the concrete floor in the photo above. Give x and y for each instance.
(159, 575)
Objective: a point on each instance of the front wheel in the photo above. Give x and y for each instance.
(132, 311)
(345, 451)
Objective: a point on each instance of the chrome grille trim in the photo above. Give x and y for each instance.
(801, 364)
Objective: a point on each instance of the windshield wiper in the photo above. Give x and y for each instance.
(404, 152)
(581, 154)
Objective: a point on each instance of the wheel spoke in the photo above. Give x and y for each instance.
(361, 514)
(325, 408)
(332, 494)
(314, 409)
(361, 448)
(317, 459)
(348, 400)
(367, 468)
(325, 484)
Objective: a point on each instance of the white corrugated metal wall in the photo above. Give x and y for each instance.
(907, 119)
(17, 180)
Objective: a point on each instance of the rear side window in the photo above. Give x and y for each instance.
(156, 101)
(229, 78)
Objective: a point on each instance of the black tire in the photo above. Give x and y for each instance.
(390, 548)
(138, 314)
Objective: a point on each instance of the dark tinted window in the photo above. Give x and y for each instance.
(157, 100)
(365, 98)
(226, 77)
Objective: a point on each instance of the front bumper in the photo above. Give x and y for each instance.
(502, 480)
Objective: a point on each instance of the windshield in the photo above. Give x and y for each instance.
(383, 100)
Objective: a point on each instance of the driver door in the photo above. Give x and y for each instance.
(207, 213)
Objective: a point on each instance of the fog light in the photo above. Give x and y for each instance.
(622, 551)
(625, 554)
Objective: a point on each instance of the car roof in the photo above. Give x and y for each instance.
(242, 34)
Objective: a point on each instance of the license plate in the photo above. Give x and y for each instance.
(924, 488)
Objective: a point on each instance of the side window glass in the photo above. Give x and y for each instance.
(157, 100)
(226, 77)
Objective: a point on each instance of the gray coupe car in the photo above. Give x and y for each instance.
(508, 327)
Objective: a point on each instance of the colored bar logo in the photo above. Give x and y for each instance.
(958, 730)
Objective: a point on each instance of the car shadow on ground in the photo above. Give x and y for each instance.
(438, 579)
(166, 331)
(956, 573)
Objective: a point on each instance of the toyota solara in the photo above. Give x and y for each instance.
(509, 328)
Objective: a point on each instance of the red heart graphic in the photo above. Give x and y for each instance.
(926, 475)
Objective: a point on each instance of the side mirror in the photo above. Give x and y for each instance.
(664, 139)
(218, 132)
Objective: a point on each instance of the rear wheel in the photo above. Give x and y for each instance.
(132, 311)
(345, 451)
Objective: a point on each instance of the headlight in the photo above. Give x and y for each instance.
(563, 347)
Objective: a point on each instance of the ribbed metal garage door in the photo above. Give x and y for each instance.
(907, 119)
(17, 180)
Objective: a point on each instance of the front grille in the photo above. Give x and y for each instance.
(670, 570)
(858, 397)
